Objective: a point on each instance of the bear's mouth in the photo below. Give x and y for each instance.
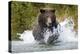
(50, 28)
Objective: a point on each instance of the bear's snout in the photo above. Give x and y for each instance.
(49, 22)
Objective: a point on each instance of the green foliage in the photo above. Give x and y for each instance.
(24, 14)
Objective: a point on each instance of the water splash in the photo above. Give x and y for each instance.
(67, 33)
(27, 37)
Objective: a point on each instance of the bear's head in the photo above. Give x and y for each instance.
(47, 18)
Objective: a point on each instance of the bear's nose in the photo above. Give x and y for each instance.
(50, 24)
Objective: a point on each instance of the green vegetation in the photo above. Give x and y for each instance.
(24, 14)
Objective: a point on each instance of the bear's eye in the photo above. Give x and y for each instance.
(42, 11)
(53, 11)
(47, 16)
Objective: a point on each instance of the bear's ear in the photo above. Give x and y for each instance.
(53, 10)
(42, 10)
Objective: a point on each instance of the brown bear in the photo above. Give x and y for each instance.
(46, 20)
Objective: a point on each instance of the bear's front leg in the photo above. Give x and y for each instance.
(52, 39)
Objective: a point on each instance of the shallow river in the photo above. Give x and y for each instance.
(68, 38)
(19, 46)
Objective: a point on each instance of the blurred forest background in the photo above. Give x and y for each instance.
(24, 14)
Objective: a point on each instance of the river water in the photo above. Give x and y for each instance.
(66, 41)
(20, 47)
